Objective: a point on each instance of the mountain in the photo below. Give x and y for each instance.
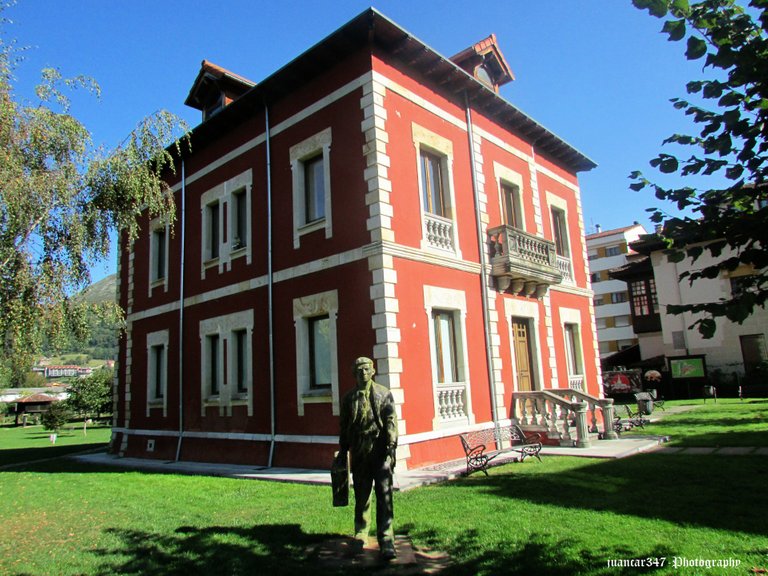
(105, 290)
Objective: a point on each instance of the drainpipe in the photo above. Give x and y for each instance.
(270, 284)
(181, 307)
(483, 263)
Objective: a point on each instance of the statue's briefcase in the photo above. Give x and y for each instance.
(340, 482)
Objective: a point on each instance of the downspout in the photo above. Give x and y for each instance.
(270, 284)
(483, 263)
(181, 307)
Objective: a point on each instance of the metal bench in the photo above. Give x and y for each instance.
(635, 418)
(657, 402)
(480, 446)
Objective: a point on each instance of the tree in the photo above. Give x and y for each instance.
(57, 415)
(729, 215)
(60, 198)
(92, 396)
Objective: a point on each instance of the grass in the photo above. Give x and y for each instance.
(18, 444)
(727, 422)
(562, 516)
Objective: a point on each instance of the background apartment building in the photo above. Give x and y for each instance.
(607, 250)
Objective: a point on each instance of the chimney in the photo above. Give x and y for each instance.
(598, 228)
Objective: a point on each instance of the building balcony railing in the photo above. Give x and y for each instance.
(452, 402)
(565, 268)
(438, 232)
(523, 263)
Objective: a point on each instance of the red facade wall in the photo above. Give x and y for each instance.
(309, 440)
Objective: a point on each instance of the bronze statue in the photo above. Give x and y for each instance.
(369, 435)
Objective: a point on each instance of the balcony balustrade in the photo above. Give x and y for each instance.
(439, 232)
(523, 263)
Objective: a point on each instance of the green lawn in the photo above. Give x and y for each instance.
(727, 422)
(563, 516)
(18, 444)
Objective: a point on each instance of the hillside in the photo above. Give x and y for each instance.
(102, 291)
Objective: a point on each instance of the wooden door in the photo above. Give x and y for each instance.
(521, 335)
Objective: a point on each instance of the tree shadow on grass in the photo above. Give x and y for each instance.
(710, 491)
(286, 549)
(542, 555)
(226, 550)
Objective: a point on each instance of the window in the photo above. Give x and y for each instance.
(432, 185)
(311, 168)
(560, 232)
(595, 277)
(445, 346)
(618, 297)
(212, 226)
(573, 349)
(319, 352)
(623, 320)
(240, 372)
(317, 370)
(434, 165)
(513, 215)
(678, 340)
(158, 254)
(239, 219)
(226, 364)
(598, 301)
(613, 250)
(212, 376)
(157, 371)
(753, 351)
(314, 189)
(446, 317)
(644, 299)
(226, 223)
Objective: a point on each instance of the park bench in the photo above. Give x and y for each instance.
(657, 402)
(480, 446)
(635, 418)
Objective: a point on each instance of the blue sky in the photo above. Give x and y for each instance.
(598, 73)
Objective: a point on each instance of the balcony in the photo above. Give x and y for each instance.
(523, 263)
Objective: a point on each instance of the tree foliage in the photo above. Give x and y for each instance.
(60, 198)
(730, 109)
(92, 396)
(56, 416)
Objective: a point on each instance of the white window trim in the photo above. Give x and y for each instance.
(554, 201)
(298, 153)
(573, 316)
(155, 225)
(304, 308)
(159, 338)
(530, 310)
(225, 327)
(505, 175)
(453, 301)
(424, 139)
(222, 194)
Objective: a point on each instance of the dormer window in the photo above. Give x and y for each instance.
(214, 107)
(482, 74)
(485, 62)
(215, 88)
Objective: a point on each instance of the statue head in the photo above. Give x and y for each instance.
(363, 370)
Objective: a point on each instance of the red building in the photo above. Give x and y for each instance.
(370, 198)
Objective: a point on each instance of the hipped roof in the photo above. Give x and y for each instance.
(371, 28)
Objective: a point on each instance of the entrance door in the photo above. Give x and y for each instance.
(521, 336)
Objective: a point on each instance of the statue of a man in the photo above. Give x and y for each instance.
(369, 434)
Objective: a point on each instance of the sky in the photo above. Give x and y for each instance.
(598, 73)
